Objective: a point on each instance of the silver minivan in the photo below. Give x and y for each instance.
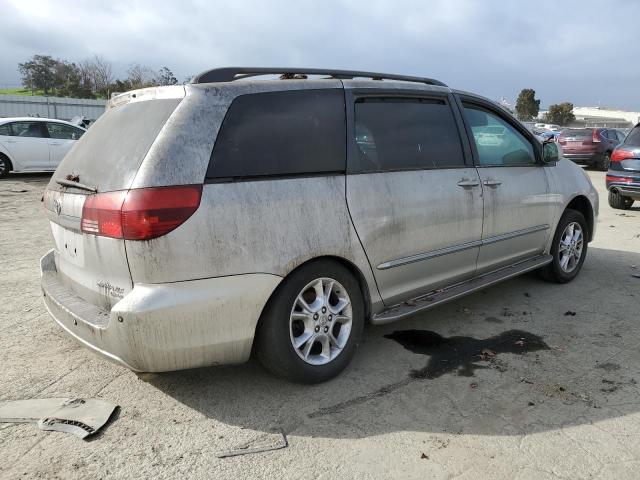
(197, 224)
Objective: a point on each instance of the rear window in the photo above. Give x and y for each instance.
(281, 133)
(633, 139)
(578, 133)
(109, 154)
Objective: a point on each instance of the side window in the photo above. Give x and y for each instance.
(405, 134)
(5, 129)
(621, 136)
(633, 138)
(497, 142)
(26, 129)
(63, 132)
(281, 133)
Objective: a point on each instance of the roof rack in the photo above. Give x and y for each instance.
(229, 74)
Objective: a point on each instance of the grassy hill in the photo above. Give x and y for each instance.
(20, 91)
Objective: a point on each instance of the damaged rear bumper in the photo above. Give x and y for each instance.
(164, 327)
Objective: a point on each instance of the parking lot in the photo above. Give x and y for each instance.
(569, 407)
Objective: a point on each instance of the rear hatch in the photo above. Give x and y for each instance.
(106, 159)
(578, 140)
(626, 158)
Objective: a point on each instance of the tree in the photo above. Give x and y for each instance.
(560, 114)
(527, 107)
(38, 73)
(140, 76)
(166, 77)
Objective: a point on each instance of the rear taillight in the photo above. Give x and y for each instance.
(595, 137)
(619, 154)
(139, 214)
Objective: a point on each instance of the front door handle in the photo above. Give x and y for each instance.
(490, 182)
(468, 183)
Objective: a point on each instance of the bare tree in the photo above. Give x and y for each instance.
(102, 74)
(140, 76)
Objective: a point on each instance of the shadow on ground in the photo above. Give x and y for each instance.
(584, 366)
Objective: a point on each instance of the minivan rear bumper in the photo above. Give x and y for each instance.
(164, 327)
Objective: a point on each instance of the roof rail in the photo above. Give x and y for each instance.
(229, 74)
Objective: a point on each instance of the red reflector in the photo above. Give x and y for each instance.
(619, 154)
(140, 214)
(610, 178)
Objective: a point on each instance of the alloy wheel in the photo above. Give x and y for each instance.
(320, 321)
(570, 248)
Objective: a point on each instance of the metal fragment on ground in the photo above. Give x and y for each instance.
(81, 417)
(262, 443)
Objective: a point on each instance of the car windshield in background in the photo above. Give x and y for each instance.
(633, 139)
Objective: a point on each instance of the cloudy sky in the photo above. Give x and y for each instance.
(579, 51)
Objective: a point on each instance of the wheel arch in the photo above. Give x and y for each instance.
(353, 269)
(581, 204)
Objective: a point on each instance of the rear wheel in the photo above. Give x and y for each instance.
(603, 165)
(569, 248)
(618, 201)
(5, 166)
(312, 326)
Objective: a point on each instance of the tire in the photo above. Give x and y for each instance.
(556, 271)
(619, 202)
(5, 166)
(603, 165)
(284, 325)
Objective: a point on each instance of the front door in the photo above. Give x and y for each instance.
(415, 203)
(61, 139)
(28, 145)
(517, 207)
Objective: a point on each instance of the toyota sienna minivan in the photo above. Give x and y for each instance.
(278, 211)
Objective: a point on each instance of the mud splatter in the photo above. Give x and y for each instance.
(462, 354)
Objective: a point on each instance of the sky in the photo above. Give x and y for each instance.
(577, 51)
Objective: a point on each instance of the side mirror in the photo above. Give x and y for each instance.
(550, 153)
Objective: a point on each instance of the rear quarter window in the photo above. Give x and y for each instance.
(281, 133)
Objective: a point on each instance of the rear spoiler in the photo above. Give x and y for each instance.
(143, 94)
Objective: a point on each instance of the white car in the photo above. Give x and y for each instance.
(35, 144)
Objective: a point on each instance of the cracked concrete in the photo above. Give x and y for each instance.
(572, 411)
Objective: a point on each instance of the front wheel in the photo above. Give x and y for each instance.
(313, 324)
(569, 248)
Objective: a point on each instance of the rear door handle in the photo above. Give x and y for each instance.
(468, 183)
(490, 182)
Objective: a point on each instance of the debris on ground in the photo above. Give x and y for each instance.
(506, 312)
(527, 294)
(486, 354)
(636, 275)
(473, 385)
(424, 456)
(531, 404)
(81, 417)
(569, 313)
(262, 443)
(411, 303)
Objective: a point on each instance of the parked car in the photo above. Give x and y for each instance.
(623, 177)
(590, 146)
(35, 144)
(196, 224)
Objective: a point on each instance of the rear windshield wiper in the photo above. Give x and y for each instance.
(81, 186)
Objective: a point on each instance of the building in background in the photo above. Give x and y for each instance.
(50, 107)
(601, 117)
